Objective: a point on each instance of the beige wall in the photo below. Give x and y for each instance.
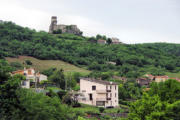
(25, 84)
(100, 94)
(160, 79)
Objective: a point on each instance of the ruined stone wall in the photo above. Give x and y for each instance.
(72, 29)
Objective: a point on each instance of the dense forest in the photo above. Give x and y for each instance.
(132, 60)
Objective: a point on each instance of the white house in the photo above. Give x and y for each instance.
(31, 76)
(98, 92)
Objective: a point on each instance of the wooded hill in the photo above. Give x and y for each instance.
(131, 60)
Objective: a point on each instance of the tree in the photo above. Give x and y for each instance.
(109, 40)
(167, 91)
(173, 111)
(28, 62)
(77, 76)
(16, 65)
(9, 101)
(24, 104)
(147, 108)
(58, 78)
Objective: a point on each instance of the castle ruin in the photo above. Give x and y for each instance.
(54, 27)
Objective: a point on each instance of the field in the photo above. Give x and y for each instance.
(45, 64)
(173, 74)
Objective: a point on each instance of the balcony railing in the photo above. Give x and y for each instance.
(101, 91)
(108, 98)
(108, 90)
(100, 99)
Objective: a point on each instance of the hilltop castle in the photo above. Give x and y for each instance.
(72, 29)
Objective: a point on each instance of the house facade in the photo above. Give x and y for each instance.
(115, 40)
(31, 77)
(98, 92)
(100, 41)
(143, 81)
(160, 78)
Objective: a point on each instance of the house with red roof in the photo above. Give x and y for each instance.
(31, 76)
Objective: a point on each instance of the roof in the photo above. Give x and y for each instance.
(29, 71)
(115, 40)
(99, 81)
(100, 40)
(18, 72)
(161, 77)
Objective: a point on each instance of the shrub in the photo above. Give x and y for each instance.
(101, 109)
(28, 62)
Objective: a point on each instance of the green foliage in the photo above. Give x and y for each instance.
(77, 87)
(49, 71)
(101, 109)
(40, 107)
(23, 104)
(109, 40)
(77, 76)
(173, 111)
(16, 65)
(161, 102)
(58, 78)
(132, 60)
(59, 31)
(167, 91)
(28, 62)
(147, 108)
(129, 90)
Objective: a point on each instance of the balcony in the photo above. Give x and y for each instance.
(101, 91)
(108, 90)
(100, 99)
(108, 98)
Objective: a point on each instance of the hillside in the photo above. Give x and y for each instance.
(46, 64)
(131, 60)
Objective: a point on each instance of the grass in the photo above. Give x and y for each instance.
(87, 109)
(41, 65)
(173, 74)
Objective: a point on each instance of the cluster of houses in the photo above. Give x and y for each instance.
(92, 91)
(114, 41)
(32, 77)
(148, 78)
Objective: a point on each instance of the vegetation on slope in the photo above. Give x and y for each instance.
(131, 60)
(42, 65)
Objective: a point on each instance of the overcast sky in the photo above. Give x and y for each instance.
(132, 21)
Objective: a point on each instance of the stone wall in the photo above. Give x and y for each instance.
(72, 29)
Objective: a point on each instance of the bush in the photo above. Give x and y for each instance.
(101, 109)
(16, 65)
(28, 62)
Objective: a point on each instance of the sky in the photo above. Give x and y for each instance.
(132, 21)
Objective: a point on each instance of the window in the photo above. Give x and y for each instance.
(110, 87)
(23, 83)
(115, 87)
(93, 87)
(100, 103)
(90, 97)
(111, 95)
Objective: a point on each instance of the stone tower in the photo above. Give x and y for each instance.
(72, 29)
(53, 24)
